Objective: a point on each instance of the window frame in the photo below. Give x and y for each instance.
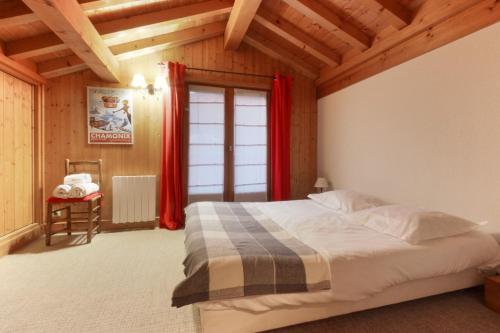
(229, 101)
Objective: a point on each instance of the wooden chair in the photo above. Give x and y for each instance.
(91, 217)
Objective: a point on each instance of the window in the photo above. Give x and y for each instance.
(227, 144)
(250, 145)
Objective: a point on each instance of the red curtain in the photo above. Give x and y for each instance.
(281, 111)
(171, 185)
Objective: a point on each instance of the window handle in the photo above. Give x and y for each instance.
(230, 148)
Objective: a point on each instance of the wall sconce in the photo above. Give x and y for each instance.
(139, 82)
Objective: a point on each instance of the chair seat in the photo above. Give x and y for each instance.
(75, 200)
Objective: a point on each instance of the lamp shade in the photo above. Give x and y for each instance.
(321, 183)
(138, 81)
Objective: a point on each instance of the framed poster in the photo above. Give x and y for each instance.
(110, 117)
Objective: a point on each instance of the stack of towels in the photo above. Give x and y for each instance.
(77, 185)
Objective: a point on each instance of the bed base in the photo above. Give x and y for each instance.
(236, 320)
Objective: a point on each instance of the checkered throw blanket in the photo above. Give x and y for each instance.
(234, 250)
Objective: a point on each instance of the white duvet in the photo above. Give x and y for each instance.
(362, 261)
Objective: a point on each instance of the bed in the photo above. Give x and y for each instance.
(366, 269)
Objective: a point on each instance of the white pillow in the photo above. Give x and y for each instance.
(345, 200)
(415, 225)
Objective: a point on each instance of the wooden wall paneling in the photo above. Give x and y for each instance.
(16, 154)
(3, 148)
(38, 161)
(9, 133)
(66, 114)
(17, 139)
(29, 153)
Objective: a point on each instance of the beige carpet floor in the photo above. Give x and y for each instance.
(122, 282)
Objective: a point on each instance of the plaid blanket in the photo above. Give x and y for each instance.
(234, 250)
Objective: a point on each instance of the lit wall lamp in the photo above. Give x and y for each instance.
(139, 82)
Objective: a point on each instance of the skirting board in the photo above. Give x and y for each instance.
(19, 238)
(235, 320)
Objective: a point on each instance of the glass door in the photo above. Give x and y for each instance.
(250, 145)
(227, 144)
(206, 144)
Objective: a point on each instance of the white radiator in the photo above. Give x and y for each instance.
(134, 199)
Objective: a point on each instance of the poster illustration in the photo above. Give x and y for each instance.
(110, 115)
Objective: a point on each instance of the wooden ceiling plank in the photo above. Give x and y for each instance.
(61, 66)
(241, 16)
(331, 22)
(14, 13)
(397, 11)
(431, 13)
(34, 46)
(176, 38)
(260, 43)
(297, 37)
(474, 18)
(65, 65)
(73, 27)
(47, 43)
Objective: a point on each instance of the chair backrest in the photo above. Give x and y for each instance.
(94, 168)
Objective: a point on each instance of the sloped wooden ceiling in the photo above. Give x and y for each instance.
(334, 42)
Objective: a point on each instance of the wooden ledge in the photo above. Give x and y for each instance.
(19, 238)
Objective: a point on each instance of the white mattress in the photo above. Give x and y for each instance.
(362, 262)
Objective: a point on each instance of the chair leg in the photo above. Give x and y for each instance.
(89, 227)
(99, 219)
(69, 219)
(48, 231)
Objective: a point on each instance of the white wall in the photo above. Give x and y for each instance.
(426, 132)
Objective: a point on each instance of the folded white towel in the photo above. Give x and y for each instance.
(61, 191)
(82, 190)
(77, 178)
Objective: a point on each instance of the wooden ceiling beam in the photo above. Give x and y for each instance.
(65, 65)
(20, 71)
(397, 11)
(73, 27)
(331, 22)
(431, 13)
(297, 37)
(195, 11)
(241, 16)
(263, 45)
(47, 43)
(16, 13)
(468, 20)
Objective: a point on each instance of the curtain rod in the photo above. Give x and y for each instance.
(225, 72)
